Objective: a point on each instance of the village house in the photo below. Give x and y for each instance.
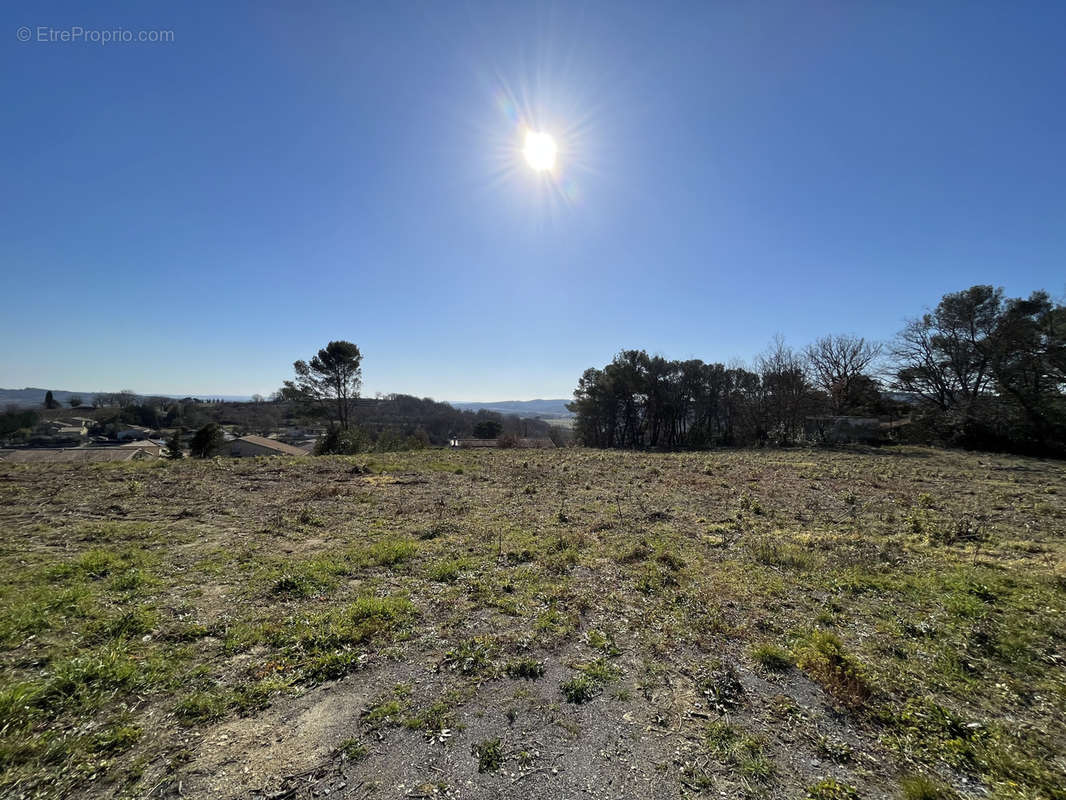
(251, 445)
(154, 448)
(134, 432)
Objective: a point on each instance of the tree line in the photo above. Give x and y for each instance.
(324, 393)
(327, 388)
(980, 371)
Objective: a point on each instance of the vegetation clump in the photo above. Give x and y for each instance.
(722, 688)
(822, 656)
(831, 789)
(528, 668)
(772, 657)
(921, 787)
(489, 755)
(580, 689)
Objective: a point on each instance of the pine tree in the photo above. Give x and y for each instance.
(207, 441)
(174, 446)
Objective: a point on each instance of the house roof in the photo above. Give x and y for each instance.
(273, 444)
(141, 443)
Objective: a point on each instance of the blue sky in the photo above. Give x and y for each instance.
(194, 215)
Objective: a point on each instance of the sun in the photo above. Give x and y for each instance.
(540, 150)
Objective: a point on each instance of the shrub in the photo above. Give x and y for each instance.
(339, 441)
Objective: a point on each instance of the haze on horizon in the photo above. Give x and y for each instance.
(199, 213)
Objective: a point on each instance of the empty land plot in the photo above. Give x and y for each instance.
(571, 623)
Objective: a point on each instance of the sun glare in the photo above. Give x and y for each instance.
(540, 150)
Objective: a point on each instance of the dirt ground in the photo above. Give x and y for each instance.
(573, 624)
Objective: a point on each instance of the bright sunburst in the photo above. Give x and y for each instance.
(540, 150)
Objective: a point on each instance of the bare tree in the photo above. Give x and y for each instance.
(837, 363)
(786, 394)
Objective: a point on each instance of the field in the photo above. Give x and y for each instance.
(775, 624)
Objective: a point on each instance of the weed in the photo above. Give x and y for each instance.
(601, 670)
(352, 750)
(528, 668)
(391, 552)
(919, 787)
(777, 553)
(469, 657)
(435, 719)
(446, 571)
(833, 750)
(822, 656)
(580, 689)
(382, 714)
(831, 789)
(772, 657)
(489, 755)
(200, 707)
(604, 642)
(722, 688)
(744, 753)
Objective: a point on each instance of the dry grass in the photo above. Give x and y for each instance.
(921, 594)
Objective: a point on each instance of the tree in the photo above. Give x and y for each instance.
(786, 397)
(49, 401)
(838, 363)
(488, 429)
(944, 356)
(1028, 362)
(174, 450)
(75, 401)
(990, 371)
(207, 441)
(330, 382)
(342, 442)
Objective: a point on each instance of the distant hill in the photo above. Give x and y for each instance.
(543, 409)
(32, 396)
